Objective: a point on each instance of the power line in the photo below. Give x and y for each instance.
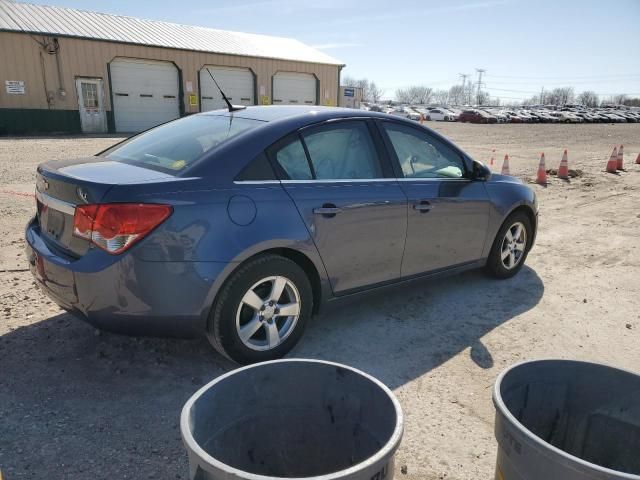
(568, 77)
(535, 91)
(564, 82)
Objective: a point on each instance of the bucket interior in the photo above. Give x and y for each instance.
(587, 410)
(293, 419)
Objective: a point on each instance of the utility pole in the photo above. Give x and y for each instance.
(542, 96)
(480, 72)
(464, 82)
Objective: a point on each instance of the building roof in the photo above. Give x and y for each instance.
(69, 22)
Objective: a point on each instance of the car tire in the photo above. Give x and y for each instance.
(497, 265)
(231, 314)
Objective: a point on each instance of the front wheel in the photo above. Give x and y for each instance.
(510, 247)
(261, 311)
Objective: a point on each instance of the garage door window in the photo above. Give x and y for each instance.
(176, 145)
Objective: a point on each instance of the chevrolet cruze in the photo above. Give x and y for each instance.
(241, 225)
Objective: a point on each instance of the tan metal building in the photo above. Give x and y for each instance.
(67, 70)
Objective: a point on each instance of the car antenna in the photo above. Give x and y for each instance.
(232, 108)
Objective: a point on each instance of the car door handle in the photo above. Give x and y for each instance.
(328, 209)
(423, 207)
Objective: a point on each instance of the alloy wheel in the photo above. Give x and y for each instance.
(513, 246)
(268, 313)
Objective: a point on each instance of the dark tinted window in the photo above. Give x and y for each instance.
(258, 169)
(343, 150)
(176, 145)
(422, 156)
(293, 161)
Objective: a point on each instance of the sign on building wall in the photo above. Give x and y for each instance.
(14, 87)
(193, 100)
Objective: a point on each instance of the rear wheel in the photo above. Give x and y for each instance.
(261, 311)
(510, 247)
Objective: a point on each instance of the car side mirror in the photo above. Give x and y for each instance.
(481, 171)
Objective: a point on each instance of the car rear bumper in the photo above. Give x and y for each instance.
(124, 294)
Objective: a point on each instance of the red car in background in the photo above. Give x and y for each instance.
(476, 116)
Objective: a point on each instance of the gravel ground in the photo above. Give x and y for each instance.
(76, 403)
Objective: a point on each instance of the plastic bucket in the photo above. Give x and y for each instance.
(292, 419)
(567, 420)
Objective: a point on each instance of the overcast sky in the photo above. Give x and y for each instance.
(523, 44)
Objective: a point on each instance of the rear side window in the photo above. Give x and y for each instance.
(176, 145)
(293, 161)
(343, 150)
(258, 169)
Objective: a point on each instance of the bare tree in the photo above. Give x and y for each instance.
(457, 95)
(405, 95)
(469, 91)
(632, 102)
(441, 97)
(560, 96)
(347, 81)
(370, 91)
(421, 94)
(482, 98)
(620, 99)
(589, 98)
(374, 93)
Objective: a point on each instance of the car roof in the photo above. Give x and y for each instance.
(312, 113)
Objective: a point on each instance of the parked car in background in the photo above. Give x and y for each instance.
(513, 117)
(398, 112)
(500, 116)
(567, 117)
(455, 111)
(412, 113)
(476, 116)
(222, 223)
(441, 115)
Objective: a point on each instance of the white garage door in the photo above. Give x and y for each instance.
(145, 93)
(236, 83)
(294, 89)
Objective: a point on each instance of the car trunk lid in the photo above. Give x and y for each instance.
(62, 185)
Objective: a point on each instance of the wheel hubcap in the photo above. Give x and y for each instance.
(513, 245)
(268, 313)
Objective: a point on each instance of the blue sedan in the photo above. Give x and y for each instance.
(241, 225)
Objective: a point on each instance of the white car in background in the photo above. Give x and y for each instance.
(441, 115)
(455, 112)
(567, 117)
(412, 113)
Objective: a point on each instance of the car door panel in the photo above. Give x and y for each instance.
(448, 213)
(451, 232)
(361, 244)
(355, 212)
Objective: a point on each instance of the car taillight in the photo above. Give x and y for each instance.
(114, 227)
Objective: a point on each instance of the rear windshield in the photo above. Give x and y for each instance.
(176, 145)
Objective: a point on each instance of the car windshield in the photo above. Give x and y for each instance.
(174, 146)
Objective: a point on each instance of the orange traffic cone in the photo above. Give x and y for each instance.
(563, 170)
(620, 158)
(493, 154)
(542, 172)
(638, 160)
(505, 166)
(612, 164)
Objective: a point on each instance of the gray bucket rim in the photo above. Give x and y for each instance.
(502, 408)
(388, 449)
